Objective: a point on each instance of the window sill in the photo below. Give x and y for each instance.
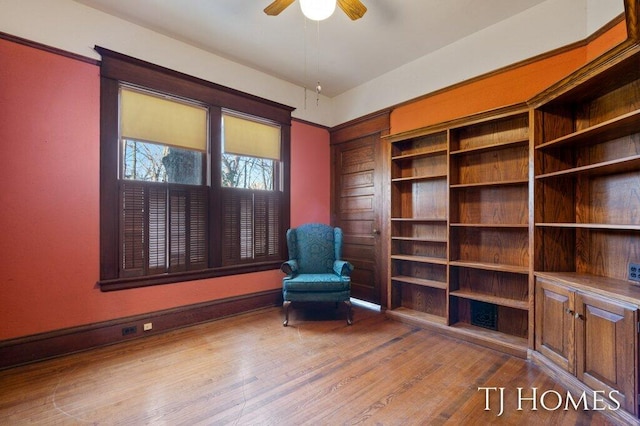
(177, 277)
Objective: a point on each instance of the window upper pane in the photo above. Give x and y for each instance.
(247, 172)
(152, 162)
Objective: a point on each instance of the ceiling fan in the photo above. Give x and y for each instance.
(353, 8)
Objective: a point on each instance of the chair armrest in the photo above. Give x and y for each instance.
(290, 267)
(342, 268)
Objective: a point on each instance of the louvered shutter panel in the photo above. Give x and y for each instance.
(132, 230)
(177, 230)
(157, 261)
(163, 228)
(251, 226)
(198, 247)
(273, 219)
(246, 227)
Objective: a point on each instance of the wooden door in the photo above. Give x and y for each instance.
(606, 348)
(555, 324)
(357, 210)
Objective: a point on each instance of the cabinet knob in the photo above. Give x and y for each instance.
(569, 311)
(375, 231)
(578, 316)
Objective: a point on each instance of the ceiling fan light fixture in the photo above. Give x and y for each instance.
(317, 10)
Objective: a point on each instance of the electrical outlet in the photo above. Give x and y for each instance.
(634, 272)
(147, 326)
(129, 330)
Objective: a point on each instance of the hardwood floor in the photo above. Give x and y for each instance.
(249, 370)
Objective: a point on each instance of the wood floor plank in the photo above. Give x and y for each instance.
(249, 370)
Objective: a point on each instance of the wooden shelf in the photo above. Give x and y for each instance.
(420, 240)
(497, 183)
(622, 125)
(514, 344)
(619, 165)
(496, 300)
(490, 147)
(491, 266)
(415, 317)
(420, 281)
(491, 225)
(418, 219)
(602, 226)
(438, 151)
(421, 177)
(421, 259)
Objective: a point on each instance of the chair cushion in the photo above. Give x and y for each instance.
(316, 283)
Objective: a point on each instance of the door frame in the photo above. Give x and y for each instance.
(378, 124)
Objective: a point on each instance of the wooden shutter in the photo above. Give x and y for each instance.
(157, 259)
(132, 230)
(267, 224)
(163, 228)
(251, 226)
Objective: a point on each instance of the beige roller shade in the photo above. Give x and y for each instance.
(251, 138)
(155, 119)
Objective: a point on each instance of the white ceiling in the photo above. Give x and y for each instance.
(391, 34)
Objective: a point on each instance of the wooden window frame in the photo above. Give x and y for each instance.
(115, 69)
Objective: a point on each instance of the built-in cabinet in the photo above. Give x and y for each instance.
(517, 228)
(589, 336)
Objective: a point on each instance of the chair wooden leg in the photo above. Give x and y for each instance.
(285, 305)
(349, 314)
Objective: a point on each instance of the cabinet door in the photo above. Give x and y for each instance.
(554, 324)
(606, 347)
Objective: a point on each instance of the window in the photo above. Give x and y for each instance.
(163, 209)
(194, 177)
(249, 177)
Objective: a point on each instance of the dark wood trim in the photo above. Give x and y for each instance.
(49, 49)
(109, 195)
(57, 343)
(376, 122)
(178, 277)
(125, 68)
(632, 13)
(576, 387)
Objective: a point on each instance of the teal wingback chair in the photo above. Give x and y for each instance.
(315, 269)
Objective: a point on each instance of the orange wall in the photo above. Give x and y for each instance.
(501, 89)
(49, 193)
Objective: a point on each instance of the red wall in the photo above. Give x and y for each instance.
(310, 177)
(49, 193)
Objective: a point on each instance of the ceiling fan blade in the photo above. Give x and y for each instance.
(353, 8)
(277, 6)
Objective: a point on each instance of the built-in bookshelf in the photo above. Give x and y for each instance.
(489, 285)
(419, 237)
(587, 226)
(460, 227)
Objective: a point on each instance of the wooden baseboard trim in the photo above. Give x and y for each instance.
(576, 387)
(38, 347)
